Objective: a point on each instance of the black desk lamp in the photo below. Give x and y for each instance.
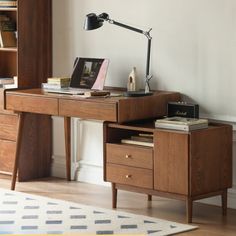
(94, 21)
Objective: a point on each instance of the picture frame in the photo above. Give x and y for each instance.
(89, 73)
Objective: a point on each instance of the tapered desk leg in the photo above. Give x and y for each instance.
(67, 128)
(17, 153)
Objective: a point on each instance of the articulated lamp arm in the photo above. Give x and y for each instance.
(105, 17)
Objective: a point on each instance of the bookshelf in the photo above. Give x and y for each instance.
(31, 62)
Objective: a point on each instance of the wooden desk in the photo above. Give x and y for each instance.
(114, 109)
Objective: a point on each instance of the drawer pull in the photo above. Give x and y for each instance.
(127, 156)
(128, 176)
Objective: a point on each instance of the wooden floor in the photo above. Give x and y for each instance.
(208, 218)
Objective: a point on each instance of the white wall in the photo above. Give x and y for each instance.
(193, 52)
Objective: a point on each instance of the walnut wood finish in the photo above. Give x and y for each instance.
(18, 141)
(31, 61)
(40, 105)
(171, 162)
(67, 128)
(7, 155)
(88, 109)
(211, 161)
(31, 101)
(8, 127)
(129, 175)
(129, 155)
(187, 165)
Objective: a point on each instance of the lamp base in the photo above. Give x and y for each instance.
(136, 94)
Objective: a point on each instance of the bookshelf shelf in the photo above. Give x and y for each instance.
(8, 49)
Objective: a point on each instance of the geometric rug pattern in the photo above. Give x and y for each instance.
(22, 213)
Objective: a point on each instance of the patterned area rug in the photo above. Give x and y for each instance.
(22, 213)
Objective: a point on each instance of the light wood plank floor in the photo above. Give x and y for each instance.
(208, 218)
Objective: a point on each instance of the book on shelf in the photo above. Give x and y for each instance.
(12, 85)
(181, 123)
(135, 142)
(8, 36)
(7, 39)
(6, 80)
(148, 139)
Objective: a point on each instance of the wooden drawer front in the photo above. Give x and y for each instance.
(129, 175)
(7, 155)
(37, 104)
(8, 125)
(129, 155)
(88, 109)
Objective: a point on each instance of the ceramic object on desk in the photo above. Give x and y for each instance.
(131, 84)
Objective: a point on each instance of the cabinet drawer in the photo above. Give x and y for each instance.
(129, 175)
(7, 155)
(8, 125)
(37, 104)
(129, 155)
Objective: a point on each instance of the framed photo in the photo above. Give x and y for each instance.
(89, 73)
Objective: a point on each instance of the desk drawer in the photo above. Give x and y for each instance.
(88, 109)
(8, 125)
(34, 104)
(129, 155)
(129, 175)
(7, 155)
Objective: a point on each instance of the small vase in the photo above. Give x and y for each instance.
(131, 84)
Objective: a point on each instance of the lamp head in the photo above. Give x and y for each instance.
(93, 21)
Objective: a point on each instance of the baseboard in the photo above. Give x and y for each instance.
(58, 167)
(90, 173)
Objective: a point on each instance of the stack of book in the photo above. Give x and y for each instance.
(181, 123)
(141, 139)
(56, 83)
(7, 31)
(8, 3)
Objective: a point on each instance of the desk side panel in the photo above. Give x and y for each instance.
(88, 109)
(139, 108)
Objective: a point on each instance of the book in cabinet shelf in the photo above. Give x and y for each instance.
(31, 62)
(182, 165)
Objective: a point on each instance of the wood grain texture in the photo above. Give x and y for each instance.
(7, 155)
(8, 127)
(35, 147)
(211, 159)
(32, 63)
(139, 108)
(129, 175)
(89, 109)
(130, 155)
(171, 162)
(34, 42)
(33, 104)
(19, 127)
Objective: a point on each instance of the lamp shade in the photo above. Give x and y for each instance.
(92, 22)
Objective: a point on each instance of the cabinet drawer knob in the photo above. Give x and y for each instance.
(128, 176)
(127, 156)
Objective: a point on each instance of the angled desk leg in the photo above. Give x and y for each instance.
(17, 153)
(67, 128)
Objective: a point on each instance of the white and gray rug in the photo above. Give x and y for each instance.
(22, 213)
